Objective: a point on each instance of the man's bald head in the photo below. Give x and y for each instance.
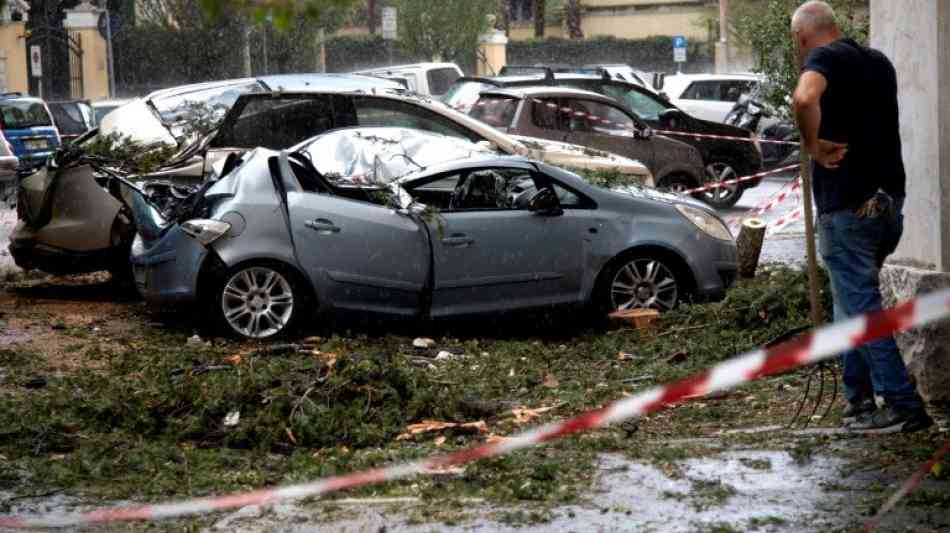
(815, 17)
(814, 25)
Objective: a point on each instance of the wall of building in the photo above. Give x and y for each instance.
(634, 19)
(13, 57)
(915, 34)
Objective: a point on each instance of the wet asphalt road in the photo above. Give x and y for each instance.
(786, 246)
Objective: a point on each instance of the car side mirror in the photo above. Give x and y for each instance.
(545, 202)
(645, 133)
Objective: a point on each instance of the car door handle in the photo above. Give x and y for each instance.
(458, 241)
(322, 225)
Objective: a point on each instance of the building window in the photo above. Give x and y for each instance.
(522, 10)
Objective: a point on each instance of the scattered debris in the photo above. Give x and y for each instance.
(427, 426)
(550, 381)
(234, 360)
(677, 357)
(443, 355)
(423, 343)
(642, 319)
(195, 341)
(624, 356)
(523, 415)
(232, 419)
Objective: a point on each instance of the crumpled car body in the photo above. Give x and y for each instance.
(276, 237)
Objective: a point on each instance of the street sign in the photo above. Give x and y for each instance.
(389, 23)
(679, 49)
(36, 61)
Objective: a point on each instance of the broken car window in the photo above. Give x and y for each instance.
(385, 112)
(497, 111)
(276, 122)
(597, 117)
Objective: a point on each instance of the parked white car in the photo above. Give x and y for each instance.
(430, 79)
(708, 96)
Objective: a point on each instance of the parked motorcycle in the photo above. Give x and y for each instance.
(751, 114)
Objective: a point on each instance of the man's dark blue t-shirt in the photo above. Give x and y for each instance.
(859, 108)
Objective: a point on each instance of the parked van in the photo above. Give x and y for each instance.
(28, 126)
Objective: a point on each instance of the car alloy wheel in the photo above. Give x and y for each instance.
(727, 195)
(257, 302)
(644, 283)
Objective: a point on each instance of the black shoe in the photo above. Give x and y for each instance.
(891, 420)
(855, 410)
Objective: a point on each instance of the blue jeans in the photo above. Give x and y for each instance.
(853, 249)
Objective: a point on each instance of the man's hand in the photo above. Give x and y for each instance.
(828, 154)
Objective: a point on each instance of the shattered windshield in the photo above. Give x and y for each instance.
(181, 110)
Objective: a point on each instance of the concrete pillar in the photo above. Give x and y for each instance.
(84, 22)
(13, 58)
(915, 35)
(492, 52)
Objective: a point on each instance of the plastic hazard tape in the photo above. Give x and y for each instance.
(725, 137)
(908, 487)
(723, 183)
(789, 218)
(795, 188)
(810, 348)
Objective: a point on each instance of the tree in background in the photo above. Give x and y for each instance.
(446, 30)
(281, 13)
(572, 17)
(539, 21)
(765, 27)
(503, 19)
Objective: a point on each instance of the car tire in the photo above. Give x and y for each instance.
(724, 197)
(258, 301)
(676, 183)
(642, 280)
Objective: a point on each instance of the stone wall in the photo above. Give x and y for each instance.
(926, 350)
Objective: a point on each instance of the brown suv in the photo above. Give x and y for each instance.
(589, 119)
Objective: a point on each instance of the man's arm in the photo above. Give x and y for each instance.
(806, 103)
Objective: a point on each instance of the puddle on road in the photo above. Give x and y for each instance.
(745, 489)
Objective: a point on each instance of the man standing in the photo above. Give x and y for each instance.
(846, 108)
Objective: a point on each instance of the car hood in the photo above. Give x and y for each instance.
(654, 195)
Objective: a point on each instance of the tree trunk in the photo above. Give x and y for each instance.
(503, 21)
(572, 14)
(539, 18)
(749, 246)
(371, 18)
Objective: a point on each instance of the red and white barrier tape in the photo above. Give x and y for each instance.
(787, 219)
(735, 223)
(821, 344)
(719, 184)
(724, 137)
(907, 487)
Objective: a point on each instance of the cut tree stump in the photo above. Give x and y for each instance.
(749, 246)
(642, 319)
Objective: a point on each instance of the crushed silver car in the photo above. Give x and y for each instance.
(282, 234)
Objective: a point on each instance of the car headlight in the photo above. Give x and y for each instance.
(711, 225)
(204, 230)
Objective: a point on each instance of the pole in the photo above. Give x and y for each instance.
(813, 289)
(111, 58)
(321, 50)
